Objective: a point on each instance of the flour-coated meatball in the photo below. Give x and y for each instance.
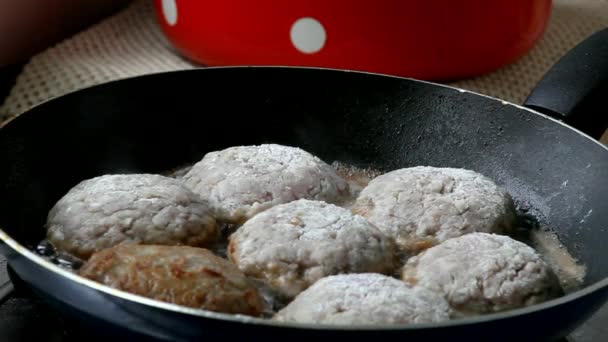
(483, 273)
(364, 299)
(292, 245)
(180, 275)
(137, 208)
(422, 206)
(241, 181)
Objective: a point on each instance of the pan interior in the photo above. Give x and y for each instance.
(155, 123)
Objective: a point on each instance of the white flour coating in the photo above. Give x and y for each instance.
(422, 206)
(241, 181)
(483, 273)
(364, 299)
(292, 245)
(138, 208)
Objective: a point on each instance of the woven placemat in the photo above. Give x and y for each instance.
(130, 43)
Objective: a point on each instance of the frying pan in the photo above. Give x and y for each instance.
(154, 123)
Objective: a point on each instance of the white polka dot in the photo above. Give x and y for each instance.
(170, 11)
(307, 35)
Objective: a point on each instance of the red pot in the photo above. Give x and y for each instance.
(427, 39)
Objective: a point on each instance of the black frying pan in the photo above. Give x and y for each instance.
(154, 123)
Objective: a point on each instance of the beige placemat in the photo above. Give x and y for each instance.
(130, 43)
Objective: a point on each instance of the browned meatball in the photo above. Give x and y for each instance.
(181, 275)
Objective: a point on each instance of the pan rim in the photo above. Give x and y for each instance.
(24, 252)
(243, 319)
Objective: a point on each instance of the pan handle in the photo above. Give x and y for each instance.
(575, 90)
(6, 287)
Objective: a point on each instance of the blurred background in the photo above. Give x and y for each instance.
(499, 48)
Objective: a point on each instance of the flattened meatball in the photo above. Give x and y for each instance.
(292, 245)
(483, 273)
(181, 275)
(364, 299)
(138, 208)
(422, 206)
(241, 181)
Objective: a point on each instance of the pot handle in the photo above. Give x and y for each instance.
(575, 90)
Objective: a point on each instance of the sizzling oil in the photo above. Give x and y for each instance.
(569, 271)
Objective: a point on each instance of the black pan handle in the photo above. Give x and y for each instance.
(575, 90)
(6, 287)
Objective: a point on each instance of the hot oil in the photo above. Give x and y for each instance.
(357, 179)
(220, 247)
(65, 260)
(178, 172)
(569, 272)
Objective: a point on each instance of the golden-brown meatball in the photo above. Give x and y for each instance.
(181, 275)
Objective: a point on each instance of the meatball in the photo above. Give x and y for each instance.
(482, 273)
(138, 208)
(241, 181)
(181, 275)
(422, 206)
(292, 245)
(364, 299)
